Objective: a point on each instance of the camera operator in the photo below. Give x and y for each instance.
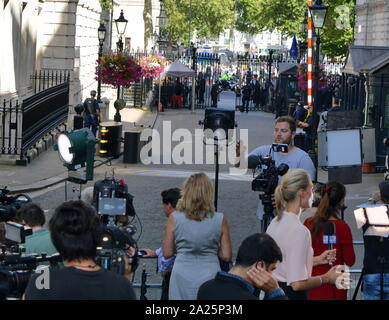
(170, 198)
(75, 231)
(31, 215)
(376, 259)
(257, 258)
(284, 133)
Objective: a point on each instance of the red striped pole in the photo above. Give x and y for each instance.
(310, 57)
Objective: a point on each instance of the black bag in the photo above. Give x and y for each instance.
(90, 106)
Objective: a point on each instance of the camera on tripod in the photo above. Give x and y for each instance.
(16, 268)
(114, 204)
(9, 204)
(266, 182)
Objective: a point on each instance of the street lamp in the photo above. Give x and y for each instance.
(121, 25)
(318, 13)
(161, 23)
(101, 31)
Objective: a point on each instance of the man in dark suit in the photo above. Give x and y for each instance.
(257, 258)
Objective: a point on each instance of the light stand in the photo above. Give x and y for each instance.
(219, 121)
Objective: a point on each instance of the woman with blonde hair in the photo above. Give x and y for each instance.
(294, 272)
(198, 235)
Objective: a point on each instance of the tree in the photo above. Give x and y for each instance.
(106, 4)
(148, 23)
(208, 19)
(254, 16)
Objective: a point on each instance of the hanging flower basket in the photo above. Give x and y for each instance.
(118, 70)
(302, 77)
(152, 66)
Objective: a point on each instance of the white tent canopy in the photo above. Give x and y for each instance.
(177, 70)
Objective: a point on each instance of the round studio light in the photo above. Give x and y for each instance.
(64, 144)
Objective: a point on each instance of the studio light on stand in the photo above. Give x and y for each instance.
(217, 123)
(77, 149)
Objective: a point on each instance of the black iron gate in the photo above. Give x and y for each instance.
(23, 124)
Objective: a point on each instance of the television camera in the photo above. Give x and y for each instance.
(267, 180)
(9, 204)
(114, 204)
(16, 268)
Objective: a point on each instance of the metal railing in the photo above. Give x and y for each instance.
(23, 124)
(45, 79)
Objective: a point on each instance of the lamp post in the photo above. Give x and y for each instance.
(101, 31)
(161, 22)
(121, 25)
(318, 13)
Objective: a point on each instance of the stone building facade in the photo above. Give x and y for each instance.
(49, 35)
(372, 23)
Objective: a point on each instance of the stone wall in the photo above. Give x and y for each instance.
(18, 21)
(372, 23)
(68, 41)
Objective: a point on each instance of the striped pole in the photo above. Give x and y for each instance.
(310, 57)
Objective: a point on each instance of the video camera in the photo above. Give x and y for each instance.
(115, 242)
(266, 182)
(9, 204)
(15, 268)
(113, 203)
(111, 198)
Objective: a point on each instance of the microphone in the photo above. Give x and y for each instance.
(329, 236)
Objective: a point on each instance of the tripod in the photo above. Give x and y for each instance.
(268, 207)
(143, 286)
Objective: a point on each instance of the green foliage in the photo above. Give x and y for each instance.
(106, 4)
(209, 17)
(254, 16)
(338, 30)
(258, 15)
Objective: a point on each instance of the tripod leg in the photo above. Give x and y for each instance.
(358, 285)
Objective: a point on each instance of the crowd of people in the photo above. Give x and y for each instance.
(287, 260)
(197, 248)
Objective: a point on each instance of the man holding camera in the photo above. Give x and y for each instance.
(257, 258)
(170, 198)
(75, 231)
(294, 157)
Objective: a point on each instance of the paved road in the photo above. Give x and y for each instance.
(236, 200)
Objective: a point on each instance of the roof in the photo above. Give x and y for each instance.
(286, 67)
(177, 69)
(366, 59)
